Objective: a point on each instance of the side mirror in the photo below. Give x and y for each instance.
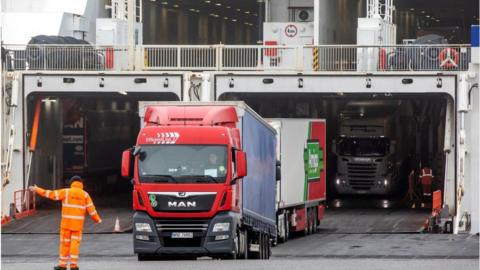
(241, 160)
(334, 146)
(127, 164)
(278, 171)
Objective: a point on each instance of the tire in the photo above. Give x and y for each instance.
(245, 247)
(251, 240)
(306, 231)
(287, 228)
(315, 220)
(268, 249)
(265, 246)
(261, 242)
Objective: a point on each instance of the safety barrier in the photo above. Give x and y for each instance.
(324, 58)
(24, 203)
(65, 57)
(327, 58)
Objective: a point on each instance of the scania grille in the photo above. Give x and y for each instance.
(361, 176)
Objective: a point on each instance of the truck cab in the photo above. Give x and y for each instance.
(188, 170)
(365, 158)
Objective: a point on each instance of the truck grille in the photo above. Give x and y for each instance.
(190, 225)
(165, 228)
(361, 176)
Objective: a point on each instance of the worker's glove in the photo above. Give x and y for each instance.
(32, 188)
(100, 221)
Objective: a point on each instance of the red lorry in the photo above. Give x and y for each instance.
(192, 195)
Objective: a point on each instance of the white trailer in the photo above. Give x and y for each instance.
(301, 191)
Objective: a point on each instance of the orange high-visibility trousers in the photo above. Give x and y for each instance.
(69, 247)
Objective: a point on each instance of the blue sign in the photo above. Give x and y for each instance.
(475, 36)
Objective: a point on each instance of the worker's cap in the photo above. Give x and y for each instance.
(76, 178)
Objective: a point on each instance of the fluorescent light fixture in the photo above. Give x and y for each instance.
(218, 4)
(175, 6)
(247, 12)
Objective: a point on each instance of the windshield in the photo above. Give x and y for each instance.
(182, 163)
(363, 147)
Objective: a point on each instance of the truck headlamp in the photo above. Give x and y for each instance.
(143, 227)
(221, 227)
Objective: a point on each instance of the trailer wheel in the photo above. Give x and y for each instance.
(244, 243)
(254, 238)
(268, 249)
(287, 227)
(306, 231)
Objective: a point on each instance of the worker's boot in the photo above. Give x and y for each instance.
(59, 268)
(74, 268)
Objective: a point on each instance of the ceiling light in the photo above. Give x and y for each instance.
(423, 11)
(428, 16)
(207, 1)
(228, 7)
(412, 9)
(192, 10)
(256, 15)
(218, 4)
(165, 3)
(175, 6)
(247, 12)
(239, 9)
(225, 18)
(234, 20)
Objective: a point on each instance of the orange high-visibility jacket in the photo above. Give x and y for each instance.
(74, 203)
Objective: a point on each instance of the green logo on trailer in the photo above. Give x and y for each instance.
(313, 158)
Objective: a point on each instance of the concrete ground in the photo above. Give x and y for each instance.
(337, 251)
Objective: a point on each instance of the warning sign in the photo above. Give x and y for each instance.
(291, 30)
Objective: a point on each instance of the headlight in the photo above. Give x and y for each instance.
(385, 182)
(143, 227)
(337, 181)
(221, 227)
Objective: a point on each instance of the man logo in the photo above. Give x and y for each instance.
(182, 194)
(182, 204)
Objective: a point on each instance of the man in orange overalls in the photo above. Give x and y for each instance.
(74, 203)
(426, 179)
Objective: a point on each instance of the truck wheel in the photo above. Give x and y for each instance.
(245, 245)
(306, 231)
(252, 254)
(261, 243)
(315, 221)
(287, 228)
(268, 249)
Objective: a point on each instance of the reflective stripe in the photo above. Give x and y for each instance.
(86, 195)
(66, 240)
(74, 206)
(56, 194)
(76, 237)
(73, 217)
(93, 213)
(63, 258)
(89, 205)
(74, 256)
(47, 193)
(66, 196)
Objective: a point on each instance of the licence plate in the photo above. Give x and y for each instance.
(182, 235)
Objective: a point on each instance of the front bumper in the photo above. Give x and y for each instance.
(203, 242)
(343, 186)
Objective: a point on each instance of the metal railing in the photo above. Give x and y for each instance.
(324, 58)
(65, 57)
(309, 58)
